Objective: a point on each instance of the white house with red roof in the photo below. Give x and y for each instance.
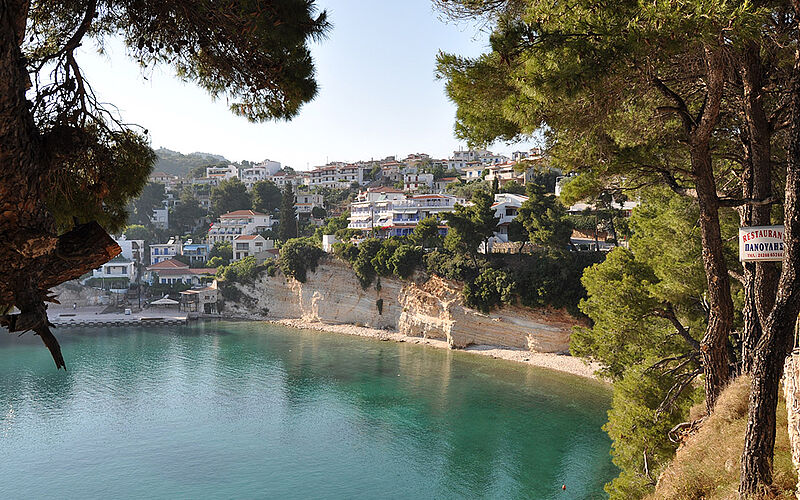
(252, 245)
(238, 222)
(171, 272)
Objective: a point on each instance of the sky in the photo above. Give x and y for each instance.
(378, 93)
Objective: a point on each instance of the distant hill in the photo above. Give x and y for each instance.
(175, 163)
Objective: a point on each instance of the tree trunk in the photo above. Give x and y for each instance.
(32, 256)
(714, 346)
(776, 340)
(761, 278)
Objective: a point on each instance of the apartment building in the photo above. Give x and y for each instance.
(238, 222)
(338, 175)
(160, 252)
(398, 216)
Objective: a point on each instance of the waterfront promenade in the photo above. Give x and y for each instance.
(94, 316)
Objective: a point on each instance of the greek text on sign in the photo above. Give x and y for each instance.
(761, 243)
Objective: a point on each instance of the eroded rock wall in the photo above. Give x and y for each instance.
(430, 309)
(791, 387)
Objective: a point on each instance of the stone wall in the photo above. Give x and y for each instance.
(419, 308)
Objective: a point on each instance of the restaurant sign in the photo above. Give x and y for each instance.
(762, 243)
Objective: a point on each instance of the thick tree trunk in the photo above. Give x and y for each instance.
(32, 256)
(714, 346)
(761, 278)
(776, 340)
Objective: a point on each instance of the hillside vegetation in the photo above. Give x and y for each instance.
(707, 466)
(175, 163)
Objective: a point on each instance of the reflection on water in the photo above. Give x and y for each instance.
(254, 410)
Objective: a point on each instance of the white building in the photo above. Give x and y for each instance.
(413, 182)
(238, 222)
(338, 175)
(223, 173)
(304, 203)
(506, 208)
(118, 271)
(249, 245)
(131, 249)
(399, 216)
(271, 166)
(473, 172)
(251, 175)
(171, 272)
(328, 240)
(505, 172)
(160, 218)
(440, 185)
(281, 179)
(160, 252)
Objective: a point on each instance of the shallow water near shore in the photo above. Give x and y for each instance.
(256, 410)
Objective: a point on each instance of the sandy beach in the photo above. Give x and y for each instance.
(558, 362)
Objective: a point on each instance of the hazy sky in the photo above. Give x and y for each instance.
(378, 93)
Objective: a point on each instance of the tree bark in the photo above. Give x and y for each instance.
(776, 340)
(761, 278)
(714, 347)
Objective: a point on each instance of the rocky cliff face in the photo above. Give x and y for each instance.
(791, 387)
(430, 309)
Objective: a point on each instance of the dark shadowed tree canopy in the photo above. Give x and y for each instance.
(70, 165)
(228, 196)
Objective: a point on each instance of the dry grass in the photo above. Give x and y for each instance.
(707, 465)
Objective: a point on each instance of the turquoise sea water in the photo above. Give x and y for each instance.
(251, 410)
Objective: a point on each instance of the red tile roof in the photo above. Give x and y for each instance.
(240, 213)
(246, 237)
(168, 264)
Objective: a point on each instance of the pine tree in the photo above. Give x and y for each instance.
(288, 219)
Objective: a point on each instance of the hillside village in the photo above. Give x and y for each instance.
(184, 227)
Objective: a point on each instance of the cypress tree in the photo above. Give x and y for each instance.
(288, 219)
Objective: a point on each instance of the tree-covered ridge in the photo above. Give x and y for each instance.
(175, 163)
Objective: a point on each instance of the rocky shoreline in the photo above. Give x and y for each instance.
(559, 362)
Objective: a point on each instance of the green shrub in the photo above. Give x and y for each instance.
(453, 266)
(405, 260)
(346, 251)
(215, 261)
(241, 271)
(490, 289)
(298, 256)
(380, 263)
(362, 265)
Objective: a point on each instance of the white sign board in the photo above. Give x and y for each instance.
(761, 243)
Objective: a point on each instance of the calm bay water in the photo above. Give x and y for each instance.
(249, 410)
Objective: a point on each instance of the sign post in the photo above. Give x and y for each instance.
(761, 243)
